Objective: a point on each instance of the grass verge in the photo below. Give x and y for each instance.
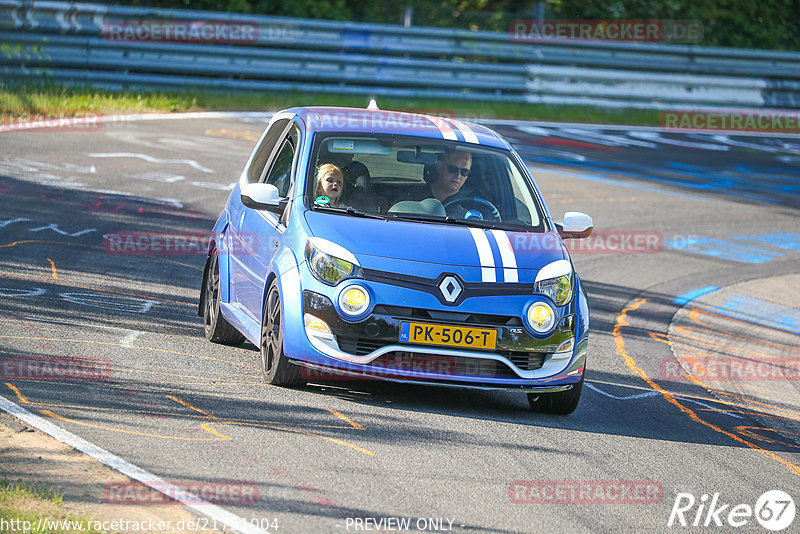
(34, 101)
(25, 509)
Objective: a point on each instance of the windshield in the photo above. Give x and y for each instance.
(421, 179)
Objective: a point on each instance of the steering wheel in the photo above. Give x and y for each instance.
(493, 212)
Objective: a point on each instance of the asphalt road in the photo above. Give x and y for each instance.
(716, 281)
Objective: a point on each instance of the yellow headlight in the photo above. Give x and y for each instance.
(354, 300)
(541, 317)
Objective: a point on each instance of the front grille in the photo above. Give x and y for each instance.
(431, 285)
(402, 312)
(525, 361)
(359, 345)
(443, 365)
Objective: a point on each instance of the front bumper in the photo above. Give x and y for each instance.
(370, 348)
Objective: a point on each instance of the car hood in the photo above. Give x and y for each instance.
(423, 249)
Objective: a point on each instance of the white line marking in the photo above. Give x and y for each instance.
(110, 302)
(127, 340)
(658, 138)
(624, 128)
(127, 196)
(213, 185)
(484, 255)
(5, 223)
(726, 139)
(130, 338)
(54, 227)
(627, 397)
(656, 393)
(14, 292)
(128, 469)
(507, 256)
(151, 159)
(737, 416)
(155, 176)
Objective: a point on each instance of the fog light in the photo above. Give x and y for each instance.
(564, 350)
(567, 345)
(541, 317)
(354, 300)
(316, 324)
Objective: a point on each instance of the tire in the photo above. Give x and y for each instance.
(561, 403)
(215, 327)
(277, 369)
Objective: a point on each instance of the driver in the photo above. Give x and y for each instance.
(449, 173)
(452, 169)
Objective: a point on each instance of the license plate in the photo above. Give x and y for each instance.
(451, 336)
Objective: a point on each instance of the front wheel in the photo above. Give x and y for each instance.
(274, 363)
(215, 327)
(561, 403)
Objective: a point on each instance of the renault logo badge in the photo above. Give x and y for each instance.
(450, 288)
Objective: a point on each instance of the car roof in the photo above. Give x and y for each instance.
(372, 120)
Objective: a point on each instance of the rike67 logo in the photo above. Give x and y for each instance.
(774, 510)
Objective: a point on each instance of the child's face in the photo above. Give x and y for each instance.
(331, 185)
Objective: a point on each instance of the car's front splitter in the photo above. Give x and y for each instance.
(324, 373)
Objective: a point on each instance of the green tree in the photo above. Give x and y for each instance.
(770, 24)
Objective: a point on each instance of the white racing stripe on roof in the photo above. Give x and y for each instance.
(507, 256)
(484, 255)
(447, 131)
(466, 131)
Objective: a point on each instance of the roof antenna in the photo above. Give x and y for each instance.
(373, 106)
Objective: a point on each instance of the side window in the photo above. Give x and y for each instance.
(265, 149)
(280, 175)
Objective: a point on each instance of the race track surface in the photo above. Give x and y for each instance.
(693, 370)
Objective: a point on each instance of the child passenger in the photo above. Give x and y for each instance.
(330, 183)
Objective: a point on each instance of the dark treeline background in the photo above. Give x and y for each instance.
(768, 24)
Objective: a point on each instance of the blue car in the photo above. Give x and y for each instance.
(380, 245)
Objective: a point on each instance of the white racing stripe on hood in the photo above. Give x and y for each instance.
(484, 254)
(507, 256)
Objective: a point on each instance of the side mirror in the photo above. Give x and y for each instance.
(262, 197)
(576, 225)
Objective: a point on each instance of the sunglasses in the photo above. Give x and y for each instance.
(455, 170)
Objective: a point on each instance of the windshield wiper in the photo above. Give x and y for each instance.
(448, 220)
(349, 211)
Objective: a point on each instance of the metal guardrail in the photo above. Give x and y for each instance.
(65, 42)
